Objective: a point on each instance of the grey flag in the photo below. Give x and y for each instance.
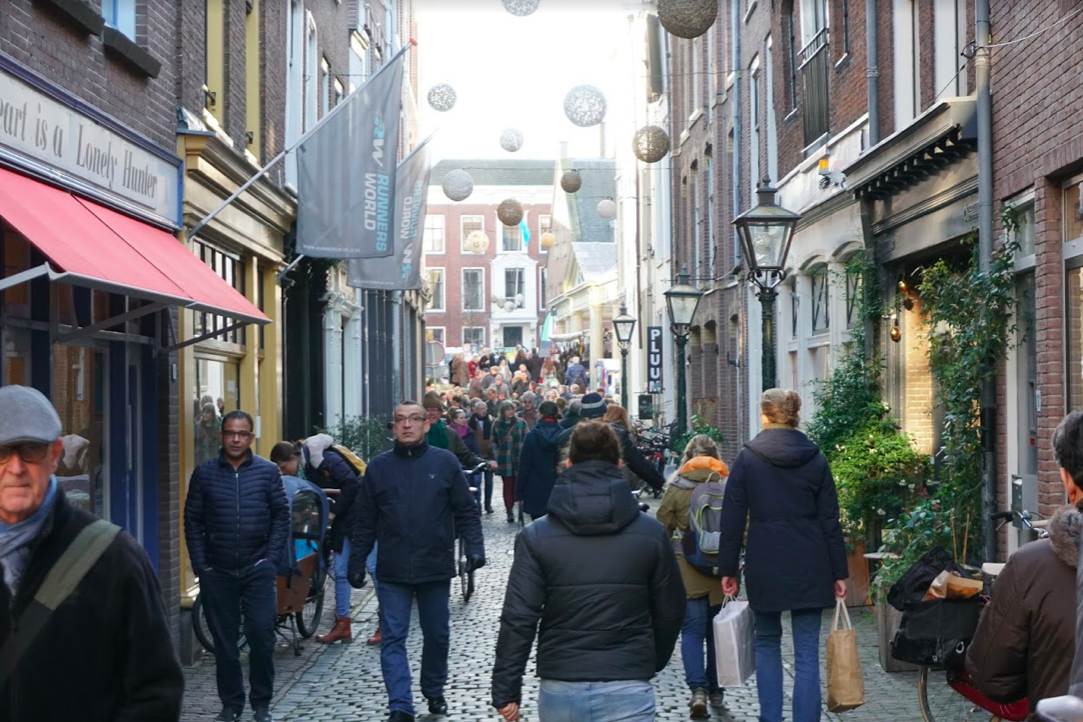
(346, 173)
(402, 270)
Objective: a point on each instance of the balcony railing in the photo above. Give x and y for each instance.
(815, 66)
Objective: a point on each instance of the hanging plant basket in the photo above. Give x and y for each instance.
(458, 185)
(585, 106)
(571, 181)
(442, 97)
(511, 140)
(687, 18)
(650, 144)
(510, 212)
(521, 8)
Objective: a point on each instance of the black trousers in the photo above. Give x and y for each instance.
(225, 595)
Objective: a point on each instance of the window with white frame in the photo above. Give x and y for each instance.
(434, 333)
(295, 86)
(754, 127)
(949, 38)
(772, 123)
(795, 307)
(907, 62)
(514, 284)
(325, 86)
(436, 285)
(434, 234)
(474, 336)
(311, 72)
(359, 61)
(473, 289)
(853, 295)
(820, 295)
(511, 239)
(120, 14)
(543, 293)
(340, 92)
(468, 225)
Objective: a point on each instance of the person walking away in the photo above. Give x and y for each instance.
(1026, 634)
(601, 578)
(593, 406)
(236, 525)
(538, 462)
(492, 401)
(534, 364)
(576, 373)
(99, 651)
(617, 417)
(413, 502)
(699, 464)
(528, 411)
(334, 474)
(481, 423)
(508, 434)
(795, 559)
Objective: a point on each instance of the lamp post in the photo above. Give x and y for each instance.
(681, 302)
(623, 326)
(766, 231)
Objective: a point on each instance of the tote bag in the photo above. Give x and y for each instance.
(733, 632)
(845, 685)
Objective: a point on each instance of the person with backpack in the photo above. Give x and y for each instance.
(691, 512)
(576, 374)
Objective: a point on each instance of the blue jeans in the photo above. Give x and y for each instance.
(806, 653)
(396, 601)
(696, 629)
(340, 563)
(370, 567)
(627, 701)
(225, 594)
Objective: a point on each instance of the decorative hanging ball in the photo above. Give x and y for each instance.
(477, 242)
(585, 105)
(571, 181)
(458, 185)
(521, 8)
(510, 212)
(607, 208)
(548, 240)
(511, 140)
(442, 97)
(650, 144)
(687, 18)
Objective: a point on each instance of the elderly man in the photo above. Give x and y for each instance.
(98, 647)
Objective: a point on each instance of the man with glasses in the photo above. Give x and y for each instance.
(98, 649)
(237, 525)
(414, 500)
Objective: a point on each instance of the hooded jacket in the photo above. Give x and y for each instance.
(329, 470)
(538, 467)
(782, 484)
(600, 577)
(1026, 634)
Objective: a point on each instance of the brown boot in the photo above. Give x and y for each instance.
(377, 638)
(340, 632)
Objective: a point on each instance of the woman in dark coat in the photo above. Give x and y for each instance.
(538, 462)
(795, 559)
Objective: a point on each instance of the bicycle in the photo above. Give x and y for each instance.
(950, 695)
(463, 569)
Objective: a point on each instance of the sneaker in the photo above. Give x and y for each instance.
(228, 714)
(717, 698)
(262, 715)
(698, 704)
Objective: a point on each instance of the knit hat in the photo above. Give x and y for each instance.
(592, 406)
(432, 401)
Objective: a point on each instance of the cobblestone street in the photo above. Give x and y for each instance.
(343, 682)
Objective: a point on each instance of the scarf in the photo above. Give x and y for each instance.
(15, 540)
(462, 431)
(437, 435)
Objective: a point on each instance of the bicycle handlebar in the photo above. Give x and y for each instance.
(1002, 515)
(478, 469)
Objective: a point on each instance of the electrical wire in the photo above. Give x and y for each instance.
(1036, 33)
(947, 84)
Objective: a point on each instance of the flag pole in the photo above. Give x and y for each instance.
(263, 171)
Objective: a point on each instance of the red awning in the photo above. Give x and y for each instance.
(90, 245)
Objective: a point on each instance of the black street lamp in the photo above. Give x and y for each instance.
(624, 325)
(682, 301)
(766, 231)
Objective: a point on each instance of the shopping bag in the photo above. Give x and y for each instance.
(733, 630)
(845, 685)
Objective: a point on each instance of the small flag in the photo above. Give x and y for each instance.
(525, 233)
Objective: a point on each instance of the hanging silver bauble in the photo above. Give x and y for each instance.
(442, 97)
(510, 212)
(687, 18)
(477, 242)
(571, 181)
(585, 105)
(458, 185)
(650, 144)
(548, 240)
(511, 140)
(521, 8)
(607, 208)
(509, 306)
(519, 298)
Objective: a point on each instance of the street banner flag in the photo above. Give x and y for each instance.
(401, 271)
(346, 172)
(525, 232)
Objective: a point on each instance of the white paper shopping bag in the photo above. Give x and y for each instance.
(733, 632)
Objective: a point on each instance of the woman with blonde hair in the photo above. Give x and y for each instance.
(704, 597)
(795, 560)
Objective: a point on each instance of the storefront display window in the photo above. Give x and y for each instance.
(217, 392)
(80, 400)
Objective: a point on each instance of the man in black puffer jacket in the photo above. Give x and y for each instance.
(602, 579)
(237, 523)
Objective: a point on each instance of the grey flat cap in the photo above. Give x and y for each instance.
(26, 415)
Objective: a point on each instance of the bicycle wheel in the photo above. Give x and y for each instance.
(308, 619)
(463, 574)
(203, 631)
(940, 703)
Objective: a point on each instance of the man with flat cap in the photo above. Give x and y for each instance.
(83, 634)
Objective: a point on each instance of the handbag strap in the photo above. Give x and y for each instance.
(840, 609)
(64, 576)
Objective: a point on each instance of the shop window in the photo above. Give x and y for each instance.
(820, 317)
(217, 392)
(79, 399)
(16, 356)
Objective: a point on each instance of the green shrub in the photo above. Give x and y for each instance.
(365, 436)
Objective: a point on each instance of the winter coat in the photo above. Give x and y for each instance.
(234, 518)
(482, 427)
(476, 390)
(1025, 639)
(601, 579)
(413, 500)
(538, 467)
(577, 374)
(534, 366)
(781, 482)
(459, 372)
(630, 454)
(508, 445)
(335, 473)
(673, 515)
(106, 654)
(520, 386)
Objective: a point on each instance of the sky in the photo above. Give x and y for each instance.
(513, 72)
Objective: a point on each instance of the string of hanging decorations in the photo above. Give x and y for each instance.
(442, 97)
(511, 140)
(571, 181)
(687, 18)
(510, 212)
(650, 144)
(458, 185)
(585, 106)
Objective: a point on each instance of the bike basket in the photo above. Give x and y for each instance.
(909, 591)
(936, 633)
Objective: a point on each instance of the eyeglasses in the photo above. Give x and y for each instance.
(236, 434)
(31, 452)
(413, 419)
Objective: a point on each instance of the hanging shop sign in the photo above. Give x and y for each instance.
(45, 134)
(654, 359)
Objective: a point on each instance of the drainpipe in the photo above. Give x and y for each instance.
(985, 257)
(735, 63)
(872, 72)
